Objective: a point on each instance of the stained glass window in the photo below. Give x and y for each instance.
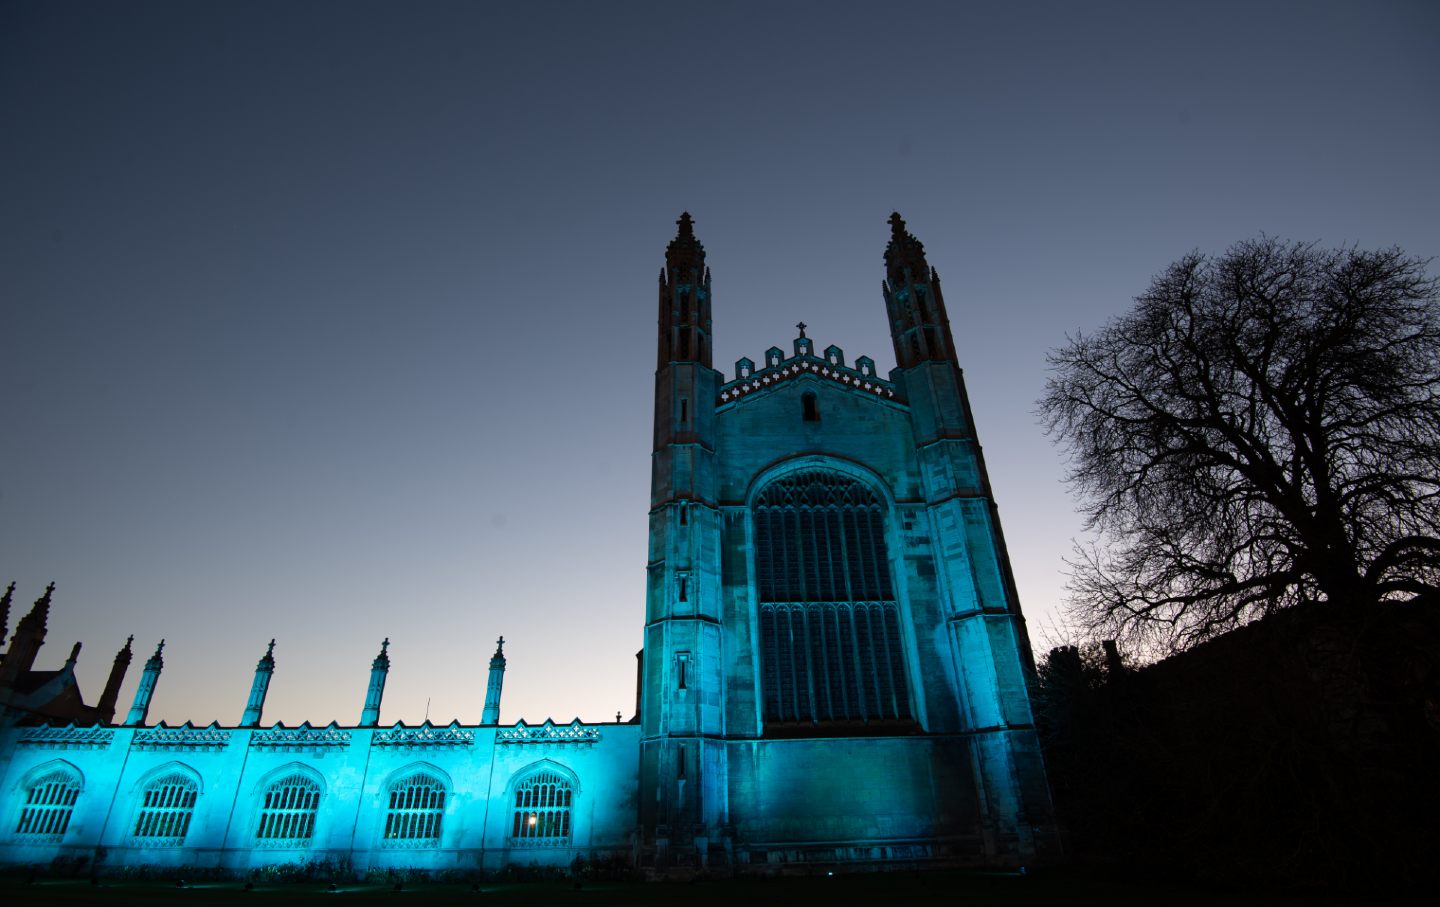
(417, 804)
(287, 815)
(829, 623)
(542, 810)
(49, 802)
(166, 808)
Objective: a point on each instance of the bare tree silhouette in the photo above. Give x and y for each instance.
(1262, 429)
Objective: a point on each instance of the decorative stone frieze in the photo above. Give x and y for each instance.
(861, 379)
(424, 735)
(549, 732)
(69, 737)
(185, 738)
(302, 737)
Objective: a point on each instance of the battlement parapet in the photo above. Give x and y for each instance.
(69, 737)
(186, 737)
(831, 366)
(549, 732)
(425, 735)
(303, 736)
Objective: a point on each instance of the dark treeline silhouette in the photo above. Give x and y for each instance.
(1298, 751)
(1257, 448)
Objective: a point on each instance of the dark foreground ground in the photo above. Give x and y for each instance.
(1055, 887)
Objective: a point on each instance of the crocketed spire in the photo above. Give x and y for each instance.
(904, 252)
(685, 256)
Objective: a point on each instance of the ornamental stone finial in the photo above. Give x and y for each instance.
(255, 705)
(370, 711)
(140, 709)
(491, 712)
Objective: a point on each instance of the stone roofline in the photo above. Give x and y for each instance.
(214, 736)
(25, 729)
(829, 365)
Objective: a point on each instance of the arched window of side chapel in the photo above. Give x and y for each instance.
(830, 643)
(167, 806)
(415, 808)
(289, 806)
(540, 809)
(49, 803)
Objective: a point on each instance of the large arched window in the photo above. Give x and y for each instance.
(417, 804)
(49, 803)
(166, 807)
(829, 624)
(287, 812)
(542, 810)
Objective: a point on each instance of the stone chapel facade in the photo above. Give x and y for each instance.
(834, 670)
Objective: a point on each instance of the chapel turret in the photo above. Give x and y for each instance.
(140, 707)
(680, 665)
(919, 325)
(5, 611)
(491, 712)
(684, 299)
(111, 694)
(29, 637)
(255, 706)
(379, 669)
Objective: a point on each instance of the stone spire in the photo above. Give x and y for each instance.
(904, 253)
(919, 326)
(29, 637)
(684, 299)
(379, 668)
(685, 256)
(491, 715)
(264, 669)
(140, 708)
(106, 706)
(5, 601)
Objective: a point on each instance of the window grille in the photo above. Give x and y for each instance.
(165, 810)
(417, 804)
(542, 811)
(287, 814)
(49, 803)
(829, 624)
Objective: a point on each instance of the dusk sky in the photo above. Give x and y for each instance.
(336, 321)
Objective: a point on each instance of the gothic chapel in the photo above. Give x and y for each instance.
(834, 671)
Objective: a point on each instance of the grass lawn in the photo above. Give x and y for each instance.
(1053, 887)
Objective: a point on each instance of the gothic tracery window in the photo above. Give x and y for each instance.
(417, 804)
(166, 808)
(829, 622)
(542, 810)
(49, 803)
(287, 812)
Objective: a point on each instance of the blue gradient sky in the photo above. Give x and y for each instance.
(335, 321)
